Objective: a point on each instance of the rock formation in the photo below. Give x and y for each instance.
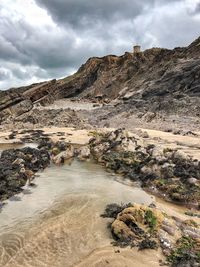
(17, 166)
(149, 228)
(168, 173)
(154, 80)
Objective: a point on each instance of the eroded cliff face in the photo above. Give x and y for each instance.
(153, 80)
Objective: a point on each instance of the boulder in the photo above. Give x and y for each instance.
(83, 153)
(21, 107)
(180, 156)
(150, 228)
(19, 165)
(64, 155)
(149, 116)
(193, 181)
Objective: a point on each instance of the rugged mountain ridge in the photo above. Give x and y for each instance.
(154, 80)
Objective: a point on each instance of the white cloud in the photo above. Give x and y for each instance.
(25, 10)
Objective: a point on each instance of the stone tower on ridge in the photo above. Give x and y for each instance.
(136, 49)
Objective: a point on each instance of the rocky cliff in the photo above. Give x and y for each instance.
(154, 80)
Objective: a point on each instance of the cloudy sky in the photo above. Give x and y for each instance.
(44, 39)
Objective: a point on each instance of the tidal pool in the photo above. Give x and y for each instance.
(57, 223)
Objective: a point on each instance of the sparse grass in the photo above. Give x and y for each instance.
(151, 220)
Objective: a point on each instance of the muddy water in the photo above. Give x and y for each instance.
(58, 223)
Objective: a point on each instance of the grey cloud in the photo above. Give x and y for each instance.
(86, 28)
(4, 74)
(83, 13)
(20, 74)
(79, 12)
(197, 9)
(19, 42)
(110, 22)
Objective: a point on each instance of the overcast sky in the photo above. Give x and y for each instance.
(45, 39)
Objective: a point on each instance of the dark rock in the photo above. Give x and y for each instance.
(163, 80)
(148, 244)
(19, 165)
(171, 173)
(11, 136)
(112, 210)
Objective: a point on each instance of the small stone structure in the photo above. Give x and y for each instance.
(136, 49)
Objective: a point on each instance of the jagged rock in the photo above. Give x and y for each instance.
(61, 145)
(64, 155)
(99, 150)
(83, 153)
(158, 154)
(150, 228)
(167, 170)
(180, 155)
(19, 161)
(168, 227)
(19, 165)
(21, 108)
(144, 134)
(154, 80)
(149, 116)
(170, 173)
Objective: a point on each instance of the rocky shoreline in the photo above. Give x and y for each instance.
(149, 228)
(17, 166)
(170, 173)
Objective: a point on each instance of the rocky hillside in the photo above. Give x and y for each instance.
(154, 80)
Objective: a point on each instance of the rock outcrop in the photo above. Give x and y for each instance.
(154, 80)
(167, 172)
(17, 166)
(40, 118)
(149, 228)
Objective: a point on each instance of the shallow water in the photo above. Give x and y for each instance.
(55, 183)
(58, 223)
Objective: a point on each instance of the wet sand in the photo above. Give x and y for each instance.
(58, 223)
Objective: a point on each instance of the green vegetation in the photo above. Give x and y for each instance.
(161, 182)
(150, 219)
(187, 251)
